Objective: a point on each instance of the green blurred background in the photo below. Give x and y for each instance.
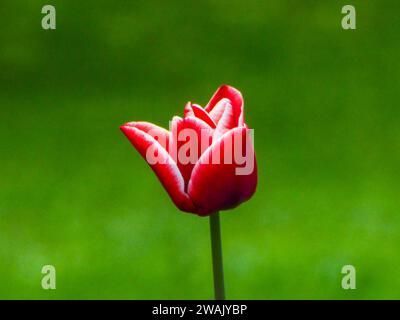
(324, 105)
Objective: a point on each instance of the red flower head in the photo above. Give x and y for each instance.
(206, 162)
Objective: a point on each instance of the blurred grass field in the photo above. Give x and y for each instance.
(324, 106)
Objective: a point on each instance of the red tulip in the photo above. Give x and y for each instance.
(206, 162)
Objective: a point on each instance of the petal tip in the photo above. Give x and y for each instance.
(127, 127)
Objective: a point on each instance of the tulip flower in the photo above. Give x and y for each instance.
(206, 162)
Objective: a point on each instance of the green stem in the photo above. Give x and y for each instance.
(218, 270)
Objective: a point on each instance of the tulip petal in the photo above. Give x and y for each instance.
(165, 169)
(194, 110)
(188, 111)
(200, 113)
(218, 186)
(158, 133)
(226, 122)
(234, 96)
(218, 110)
(190, 137)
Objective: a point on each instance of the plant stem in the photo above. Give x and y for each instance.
(216, 249)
